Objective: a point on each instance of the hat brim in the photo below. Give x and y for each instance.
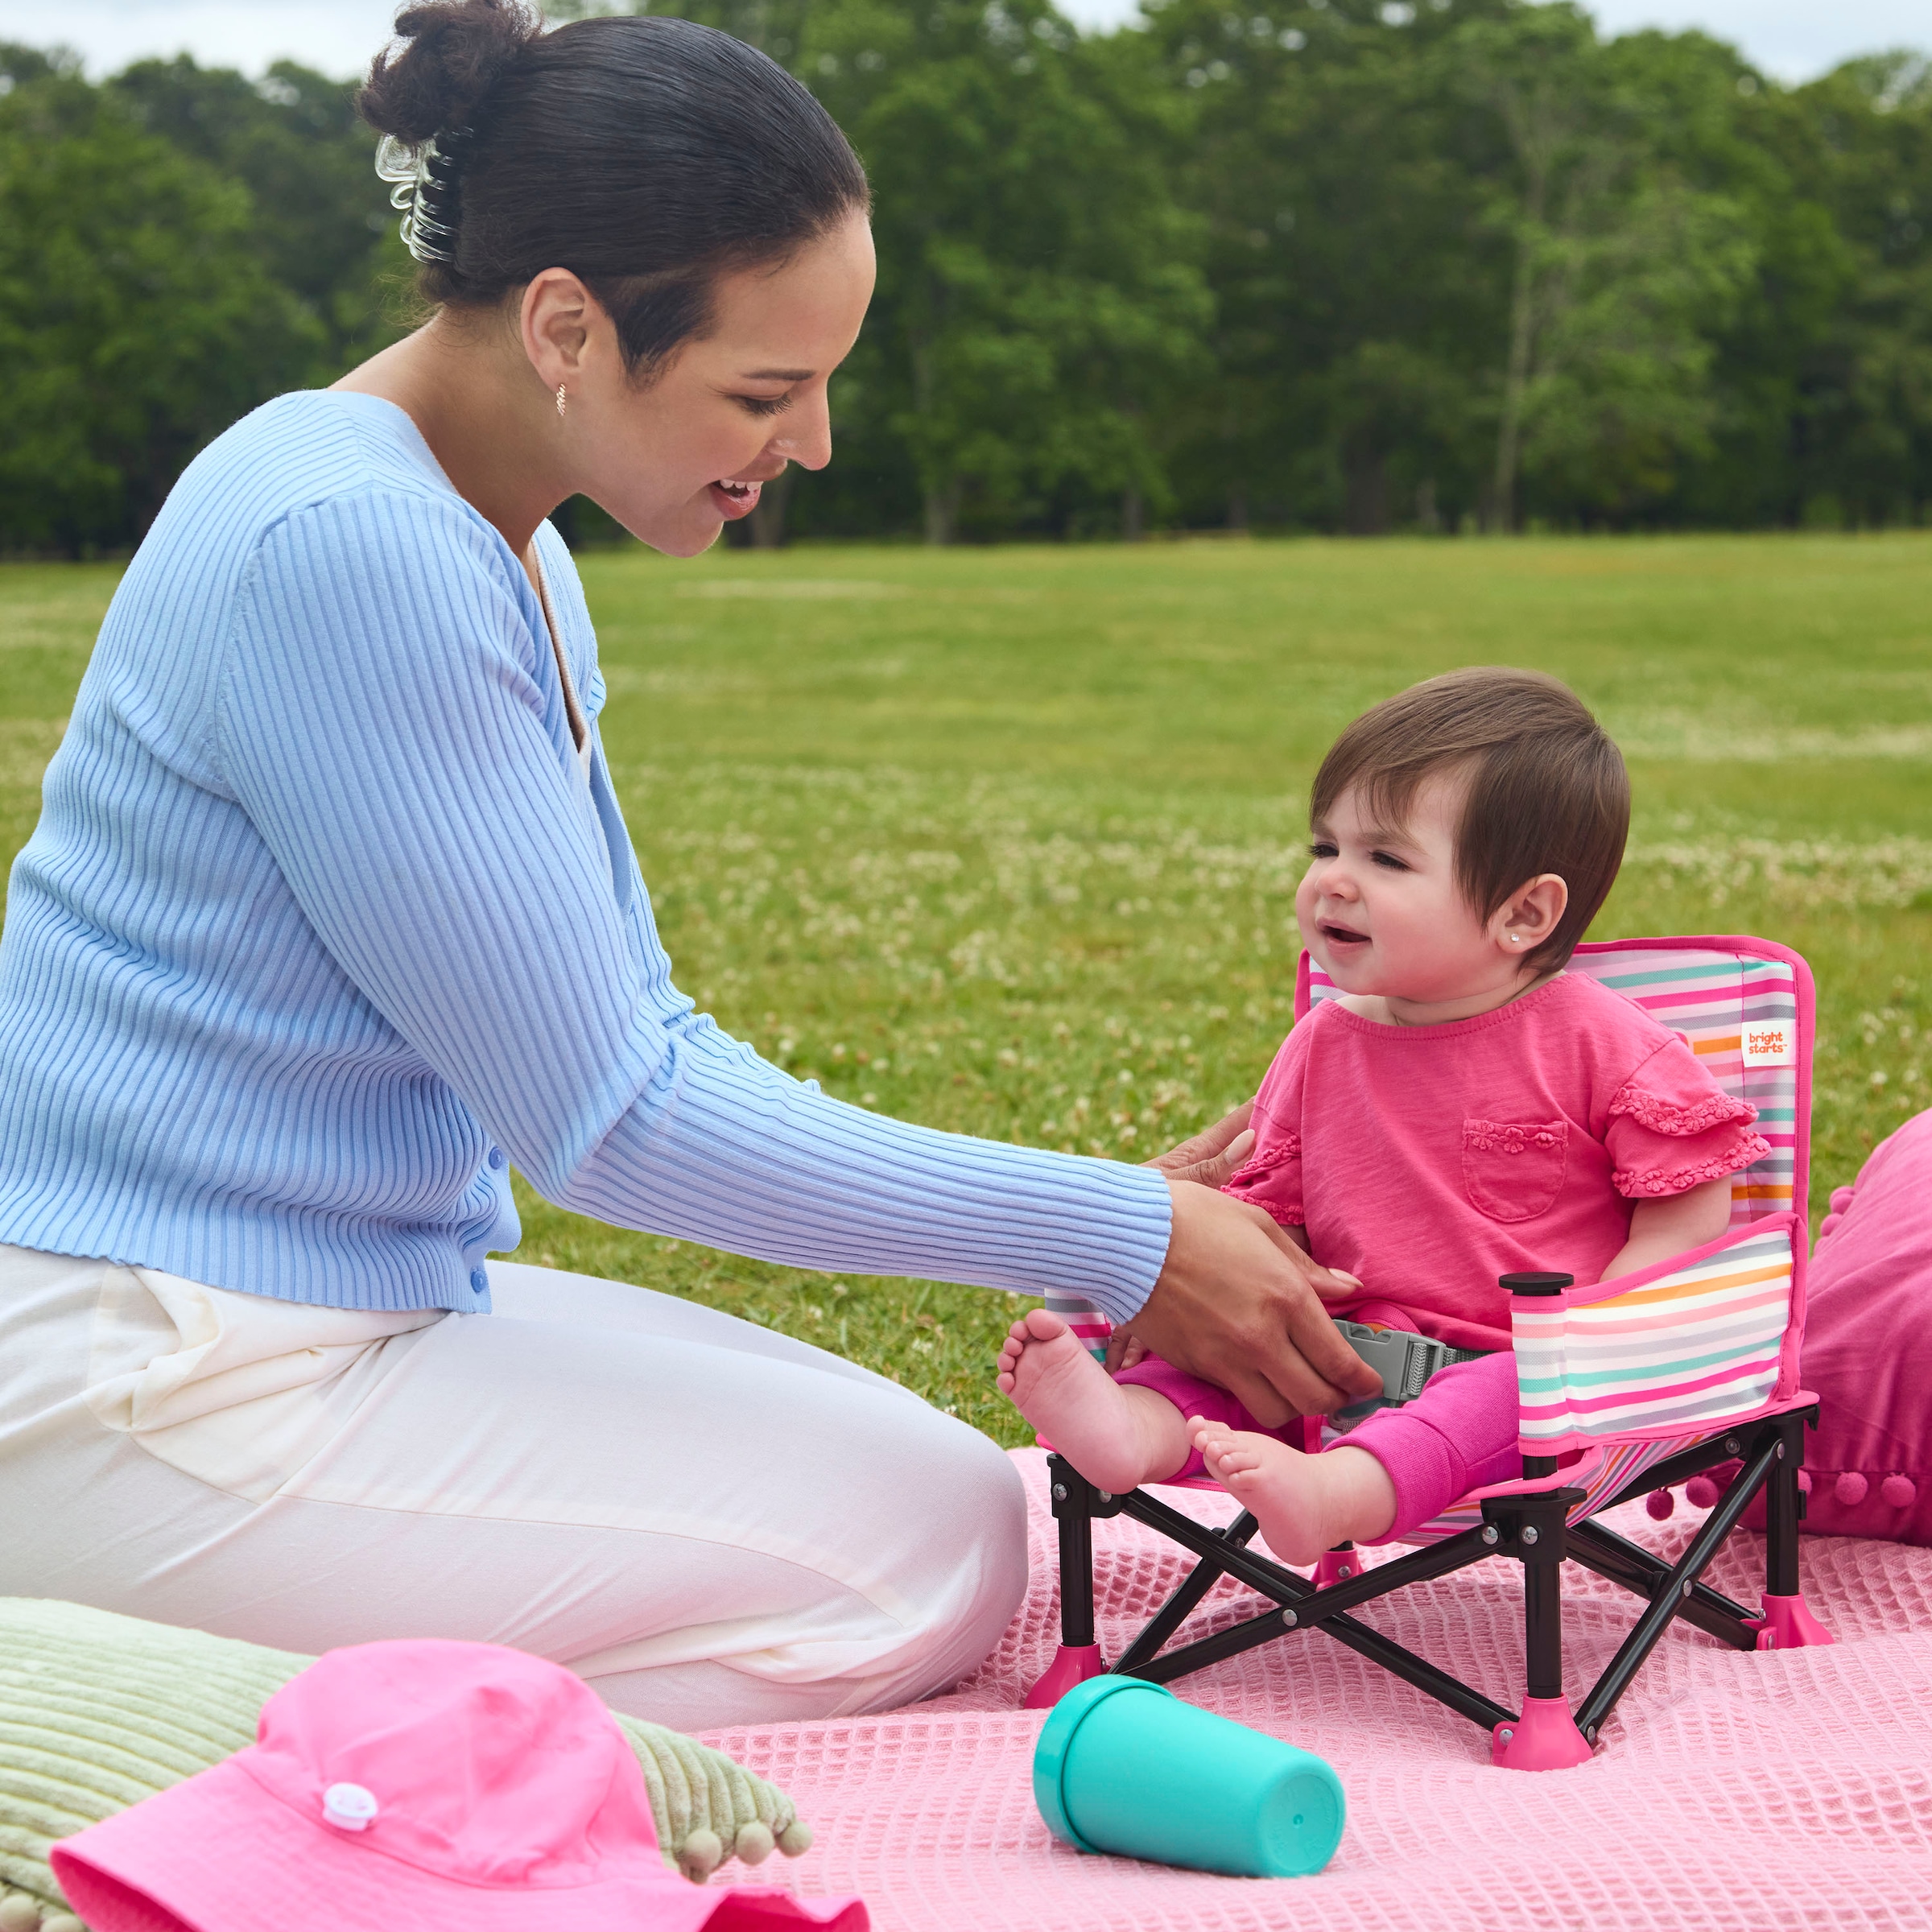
(220, 1853)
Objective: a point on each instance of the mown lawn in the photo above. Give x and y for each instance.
(1006, 840)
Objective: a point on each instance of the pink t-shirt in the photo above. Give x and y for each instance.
(1429, 1160)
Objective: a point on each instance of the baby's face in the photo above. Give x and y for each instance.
(1379, 907)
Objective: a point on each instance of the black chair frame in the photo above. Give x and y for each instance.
(1529, 1528)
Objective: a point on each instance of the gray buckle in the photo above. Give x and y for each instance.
(1404, 1361)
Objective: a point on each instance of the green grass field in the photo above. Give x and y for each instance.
(1006, 840)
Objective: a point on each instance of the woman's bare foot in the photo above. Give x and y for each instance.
(1304, 1504)
(1116, 1437)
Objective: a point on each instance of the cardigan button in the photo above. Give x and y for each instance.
(496, 1157)
(480, 1280)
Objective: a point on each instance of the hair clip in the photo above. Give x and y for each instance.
(415, 171)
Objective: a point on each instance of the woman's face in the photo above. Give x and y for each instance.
(673, 461)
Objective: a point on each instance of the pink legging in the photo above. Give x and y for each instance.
(1459, 1434)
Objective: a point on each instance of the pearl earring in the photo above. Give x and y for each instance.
(560, 397)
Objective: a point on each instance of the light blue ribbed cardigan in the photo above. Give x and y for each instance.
(321, 923)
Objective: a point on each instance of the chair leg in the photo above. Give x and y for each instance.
(1079, 1655)
(1787, 1623)
(1545, 1738)
(1343, 1561)
(1337, 1565)
(1178, 1607)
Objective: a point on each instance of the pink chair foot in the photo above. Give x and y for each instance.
(1788, 1625)
(1545, 1738)
(1072, 1664)
(1336, 1567)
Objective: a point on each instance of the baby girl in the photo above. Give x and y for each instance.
(1465, 1109)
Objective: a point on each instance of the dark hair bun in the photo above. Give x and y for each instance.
(644, 153)
(456, 51)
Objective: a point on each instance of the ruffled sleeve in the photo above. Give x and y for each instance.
(1271, 1177)
(1672, 1128)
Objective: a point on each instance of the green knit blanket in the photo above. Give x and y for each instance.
(99, 1711)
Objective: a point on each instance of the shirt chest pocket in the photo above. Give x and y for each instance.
(1512, 1169)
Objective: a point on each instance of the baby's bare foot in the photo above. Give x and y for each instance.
(1304, 1504)
(1116, 1437)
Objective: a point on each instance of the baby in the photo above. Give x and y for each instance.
(1465, 1109)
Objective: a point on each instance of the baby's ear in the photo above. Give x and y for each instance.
(1530, 914)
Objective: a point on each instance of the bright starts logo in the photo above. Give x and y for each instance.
(1769, 1046)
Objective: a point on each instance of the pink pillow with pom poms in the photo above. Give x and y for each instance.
(1868, 1350)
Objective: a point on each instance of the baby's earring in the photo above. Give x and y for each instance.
(562, 398)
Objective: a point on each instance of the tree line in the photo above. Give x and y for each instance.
(1333, 264)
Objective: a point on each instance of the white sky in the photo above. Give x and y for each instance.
(1794, 39)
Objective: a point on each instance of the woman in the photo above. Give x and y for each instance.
(332, 915)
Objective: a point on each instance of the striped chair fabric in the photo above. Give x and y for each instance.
(1700, 1344)
(1084, 1319)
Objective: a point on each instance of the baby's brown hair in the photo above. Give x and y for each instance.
(1547, 790)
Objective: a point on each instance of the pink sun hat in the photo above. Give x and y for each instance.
(448, 1787)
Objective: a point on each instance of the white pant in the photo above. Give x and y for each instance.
(714, 1524)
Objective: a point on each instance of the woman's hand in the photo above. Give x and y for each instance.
(1213, 1156)
(1239, 1304)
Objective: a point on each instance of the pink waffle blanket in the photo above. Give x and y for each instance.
(1732, 1793)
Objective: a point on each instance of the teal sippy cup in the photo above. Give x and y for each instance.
(1123, 1765)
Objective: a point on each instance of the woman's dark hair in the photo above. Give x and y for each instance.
(1546, 788)
(647, 155)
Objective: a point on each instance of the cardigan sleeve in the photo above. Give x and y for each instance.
(387, 724)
